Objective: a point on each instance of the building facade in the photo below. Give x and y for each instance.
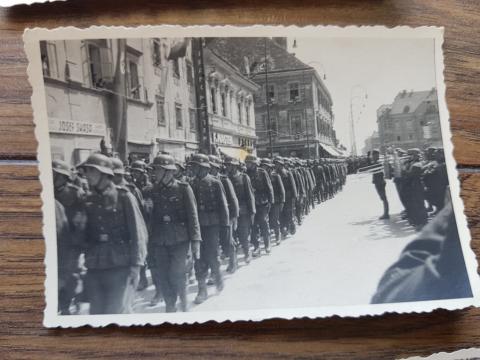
(231, 106)
(298, 119)
(159, 108)
(411, 121)
(372, 142)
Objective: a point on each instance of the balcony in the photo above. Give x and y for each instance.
(224, 123)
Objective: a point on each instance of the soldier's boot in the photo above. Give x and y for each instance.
(170, 307)
(248, 256)
(266, 240)
(183, 302)
(219, 282)
(202, 292)
(143, 282)
(256, 251)
(385, 215)
(232, 261)
(277, 236)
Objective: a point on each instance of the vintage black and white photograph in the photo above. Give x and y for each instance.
(195, 174)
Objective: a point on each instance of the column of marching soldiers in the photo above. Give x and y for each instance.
(114, 221)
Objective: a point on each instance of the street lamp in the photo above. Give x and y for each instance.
(363, 96)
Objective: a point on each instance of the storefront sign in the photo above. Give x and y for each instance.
(76, 127)
(223, 139)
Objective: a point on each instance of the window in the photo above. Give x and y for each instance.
(192, 114)
(45, 58)
(240, 117)
(296, 124)
(406, 109)
(294, 91)
(95, 65)
(273, 124)
(160, 110)
(133, 83)
(410, 136)
(271, 93)
(189, 72)
(178, 116)
(157, 53)
(398, 138)
(247, 110)
(100, 63)
(176, 68)
(224, 105)
(213, 96)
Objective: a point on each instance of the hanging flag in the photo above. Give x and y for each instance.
(178, 49)
(118, 103)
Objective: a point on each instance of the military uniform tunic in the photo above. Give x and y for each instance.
(277, 206)
(116, 238)
(264, 198)
(246, 204)
(174, 225)
(212, 214)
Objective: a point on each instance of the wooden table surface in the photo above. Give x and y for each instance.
(21, 242)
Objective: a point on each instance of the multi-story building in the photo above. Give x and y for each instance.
(159, 107)
(411, 121)
(300, 119)
(231, 106)
(372, 142)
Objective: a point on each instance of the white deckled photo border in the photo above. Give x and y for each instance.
(52, 319)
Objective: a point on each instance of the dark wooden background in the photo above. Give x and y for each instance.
(21, 242)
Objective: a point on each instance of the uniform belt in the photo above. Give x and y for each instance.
(107, 238)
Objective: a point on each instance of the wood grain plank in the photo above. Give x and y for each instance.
(459, 18)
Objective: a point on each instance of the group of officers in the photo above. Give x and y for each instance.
(115, 221)
(420, 178)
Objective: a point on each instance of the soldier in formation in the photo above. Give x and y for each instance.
(175, 217)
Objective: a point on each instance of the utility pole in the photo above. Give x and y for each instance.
(305, 112)
(267, 101)
(352, 131)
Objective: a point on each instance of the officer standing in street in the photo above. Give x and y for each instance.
(116, 239)
(414, 190)
(378, 179)
(174, 228)
(246, 203)
(278, 195)
(286, 216)
(264, 199)
(213, 214)
(226, 236)
(69, 246)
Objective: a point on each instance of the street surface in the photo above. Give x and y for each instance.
(336, 258)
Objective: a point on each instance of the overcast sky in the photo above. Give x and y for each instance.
(382, 67)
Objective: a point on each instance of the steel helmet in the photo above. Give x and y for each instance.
(100, 162)
(61, 167)
(200, 159)
(138, 165)
(231, 161)
(215, 161)
(164, 161)
(252, 159)
(117, 165)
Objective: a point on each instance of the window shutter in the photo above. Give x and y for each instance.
(85, 66)
(73, 71)
(106, 64)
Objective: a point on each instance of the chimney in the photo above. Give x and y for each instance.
(281, 41)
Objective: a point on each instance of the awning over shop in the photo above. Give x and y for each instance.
(236, 153)
(331, 150)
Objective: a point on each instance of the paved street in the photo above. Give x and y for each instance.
(336, 258)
